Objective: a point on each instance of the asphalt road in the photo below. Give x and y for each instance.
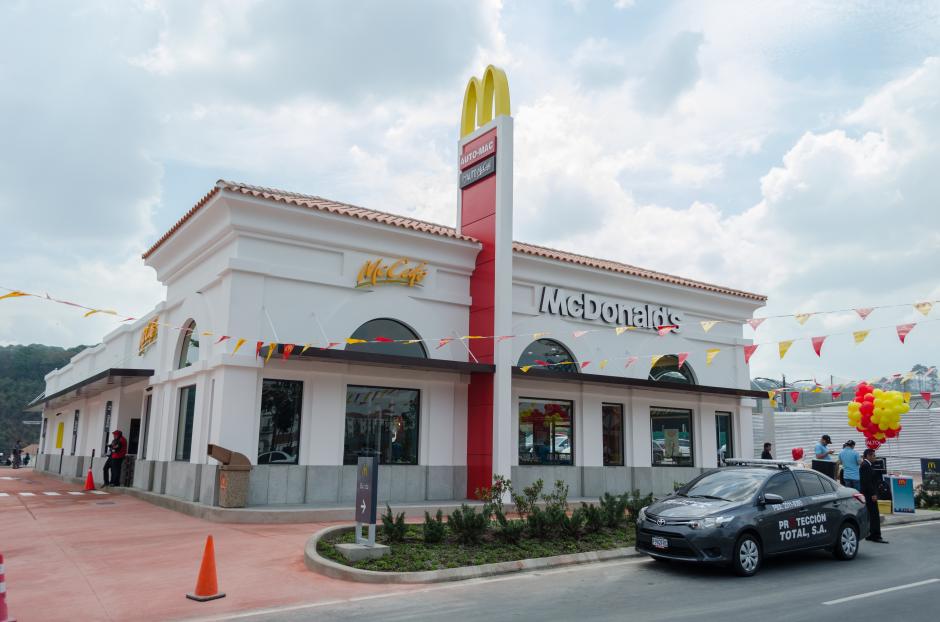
(797, 587)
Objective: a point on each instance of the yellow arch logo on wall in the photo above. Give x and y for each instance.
(480, 97)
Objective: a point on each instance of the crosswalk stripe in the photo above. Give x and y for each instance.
(4, 494)
(72, 492)
(27, 494)
(53, 494)
(97, 492)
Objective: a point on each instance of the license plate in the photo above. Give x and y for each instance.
(660, 543)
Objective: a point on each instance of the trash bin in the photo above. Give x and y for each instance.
(234, 472)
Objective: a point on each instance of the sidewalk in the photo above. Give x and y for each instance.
(115, 557)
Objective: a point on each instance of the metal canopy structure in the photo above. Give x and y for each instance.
(89, 387)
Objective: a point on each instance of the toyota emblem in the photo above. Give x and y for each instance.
(661, 521)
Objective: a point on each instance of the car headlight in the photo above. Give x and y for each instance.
(641, 515)
(711, 522)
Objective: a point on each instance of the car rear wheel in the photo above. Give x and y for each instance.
(746, 556)
(846, 546)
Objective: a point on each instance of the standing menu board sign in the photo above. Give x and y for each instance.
(902, 495)
(367, 480)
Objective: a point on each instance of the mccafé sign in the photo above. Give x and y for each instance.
(148, 336)
(400, 272)
(587, 307)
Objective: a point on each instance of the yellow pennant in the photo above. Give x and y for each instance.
(802, 317)
(271, 347)
(238, 344)
(411, 341)
(602, 364)
(860, 335)
(655, 359)
(772, 395)
(14, 294)
(305, 348)
(710, 355)
(621, 329)
(707, 325)
(350, 340)
(773, 403)
(94, 311)
(525, 368)
(817, 389)
(924, 307)
(538, 335)
(907, 396)
(784, 346)
(207, 333)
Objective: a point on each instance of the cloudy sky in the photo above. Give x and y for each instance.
(791, 149)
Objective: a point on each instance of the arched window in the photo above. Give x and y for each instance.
(667, 369)
(189, 345)
(404, 341)
(548, 351)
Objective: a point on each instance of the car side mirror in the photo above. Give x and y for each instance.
(772, 499)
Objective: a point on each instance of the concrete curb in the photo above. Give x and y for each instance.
(904, 519)
(317, 563)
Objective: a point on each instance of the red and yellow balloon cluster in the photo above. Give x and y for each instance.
(877, 414)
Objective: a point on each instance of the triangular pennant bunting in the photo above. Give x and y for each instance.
(630, 361)
(288, 348)
(238, 344)
(304, 349)
(754, 322)
(381, 339)
(707, 325)
(795, 396)
(271, 347)
(622, 329)
(352, 341)
(258, 348)
(443, 342)
(771, 394)
(836, 395)
(537, 336)
(864, 312)
(585, 364)
(222, 338)
(749, 351)
(331, 345)
(924, 307)
(802, 317)
(710, 355)
(904, 330)
(525, 368)
(579, 333)
(602, 364)
(542, 363)
(15, 294)
(502, 338)
(682, 358)
(783, 346)
(666, 329)
(860, 335)
(654, 359)
(818, 344)
(925, 395)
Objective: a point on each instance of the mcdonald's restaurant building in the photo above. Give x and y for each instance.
(304, 333)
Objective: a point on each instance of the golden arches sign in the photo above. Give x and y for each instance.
(481, 96)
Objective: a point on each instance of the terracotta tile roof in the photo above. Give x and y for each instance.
(345, 209)
(314, 203)
(613, 266)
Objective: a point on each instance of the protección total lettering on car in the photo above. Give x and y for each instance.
(741, 514)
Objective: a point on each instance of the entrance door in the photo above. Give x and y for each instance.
(777, 522)
(133, 437)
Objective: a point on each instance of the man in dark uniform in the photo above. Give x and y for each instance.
(869, 485)
(766, 455)
(112, 466)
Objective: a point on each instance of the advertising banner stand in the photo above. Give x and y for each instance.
(902, 495)
(365, 547)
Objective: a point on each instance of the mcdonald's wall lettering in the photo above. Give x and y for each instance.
(484, 168)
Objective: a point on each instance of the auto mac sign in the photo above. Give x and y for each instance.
(366, 489)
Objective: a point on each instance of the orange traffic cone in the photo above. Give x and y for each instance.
(89, 481)
(207, 586)
(4, 614)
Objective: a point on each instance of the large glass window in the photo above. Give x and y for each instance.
(279, 432)
(784, 485)
(612, 421)
(383, 422)
(549, 351)
(546, 431)
(404, 341)
(724, 439)
(189, 345)
(810, 483)
(667, 369)
(74, 433)
(672, 436)
(146, 423)
(184, 428)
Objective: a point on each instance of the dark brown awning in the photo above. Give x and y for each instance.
(543, 374)
(391, 360)
(91, 386)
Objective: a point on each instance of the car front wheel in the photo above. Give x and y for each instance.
(846, 546)
(747, 556)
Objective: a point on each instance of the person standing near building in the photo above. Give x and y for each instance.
(17, 451)
(869, 487)
(766, 455)
(822, 450)
(850, 464)
(112, 466)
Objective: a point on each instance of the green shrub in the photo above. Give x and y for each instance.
(528, 499)
(593, 518)
(468, 526)
(573, 525)
(393, 527)
(493, 496)
(613, 508)
(509, 531)
(677, 485)
(635, 502)
(433, 528)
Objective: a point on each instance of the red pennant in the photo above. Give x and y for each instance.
(223, 338)
(926, 397)
(443, 342)
(504, 338)
(754, 322)
(836, 395)
(331, 345)
(666, 329)
(904, 329)
(817, 344)
(631, 360)
(682, 357)
(258, 348)
(795, 396)
(585, 364)
(288, 348)
(864, 312)
(383, 340)
(542, 363)
(748, 351)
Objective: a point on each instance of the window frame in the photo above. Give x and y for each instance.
(190, 329)
(807, 473)
(686, 370)
(783, 473)
(75, 419)
(572, 368)
(382, 348)
(180, 428)
(417, 459)
(571, 436)
(670, 411)
(623, 457)
(729, 453)
(299, 421)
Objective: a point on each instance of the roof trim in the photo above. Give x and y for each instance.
(638, 383)
(114, 372)
(348, 210)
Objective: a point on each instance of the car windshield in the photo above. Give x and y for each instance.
(726, 485)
